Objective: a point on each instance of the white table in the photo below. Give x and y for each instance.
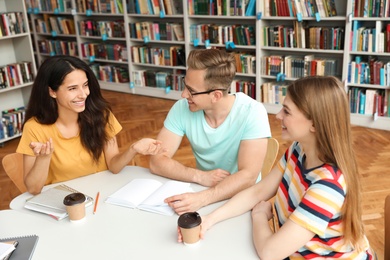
(116, 232)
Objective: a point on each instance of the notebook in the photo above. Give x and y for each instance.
(25, 247)
(148, 194)
(50, 201)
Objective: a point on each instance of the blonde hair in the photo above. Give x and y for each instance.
(220, 66)
(324, 101)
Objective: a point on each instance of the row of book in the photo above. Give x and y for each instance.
(370, 39)
(109, 29)
(100, 6)
(221, 34)
(162, 56)
(315, 37)
(110, 73)
(49, 5)
(11, 122)
(297, 67)
(369, 71)
(244, 86)
(373, 102)
(82, 6)
(12, 23)
(157, 31)
(57, 47)
(15, 74)
(222, 7)
(55, 25)
(273, 92)
(245, 62)
(371, 8)
(158, 79)
(155, 7)
(306, 8)
(106, 51)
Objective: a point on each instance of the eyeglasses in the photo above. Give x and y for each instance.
(193, 93)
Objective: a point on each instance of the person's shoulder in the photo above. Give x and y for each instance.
(180, 104)
(32, 122)
(245, 101)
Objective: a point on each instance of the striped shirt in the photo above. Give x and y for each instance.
(313, 198)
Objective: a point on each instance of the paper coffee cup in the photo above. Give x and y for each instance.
(75, 206)
(189, 224)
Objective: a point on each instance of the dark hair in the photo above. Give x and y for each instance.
(92, 121)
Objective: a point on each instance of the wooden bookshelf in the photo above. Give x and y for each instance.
(150, 54)
(17, 66)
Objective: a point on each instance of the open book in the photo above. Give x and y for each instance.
(148, 195)
(51, 201)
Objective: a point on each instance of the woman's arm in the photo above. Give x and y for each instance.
(268, 244)
(36, 168)
(244, 200)
(117, 160)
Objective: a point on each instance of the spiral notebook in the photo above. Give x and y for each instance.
(51, 200)
(25, 247)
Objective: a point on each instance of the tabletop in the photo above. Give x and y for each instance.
(116, 232)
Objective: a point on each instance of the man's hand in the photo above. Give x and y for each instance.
(186, 202)
(212, 178)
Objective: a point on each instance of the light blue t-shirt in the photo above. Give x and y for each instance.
(218, 147)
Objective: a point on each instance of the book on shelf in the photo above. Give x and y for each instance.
(50, 201)
(148, 195)
(24, 246)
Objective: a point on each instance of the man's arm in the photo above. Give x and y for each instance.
(250, 161)
(164, 165)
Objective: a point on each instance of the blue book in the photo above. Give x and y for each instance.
(355, 26)
(382, 77)
(362, 102)
(250, 9)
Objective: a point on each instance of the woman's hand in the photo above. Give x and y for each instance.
(148, 146)
(263, 207)
(203, 228)
(42, 149)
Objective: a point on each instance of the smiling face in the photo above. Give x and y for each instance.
(194, 82)
(295, 126)
(72, 93)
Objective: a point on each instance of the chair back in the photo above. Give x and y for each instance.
(387, 227)
(270, 156)
(13, 166)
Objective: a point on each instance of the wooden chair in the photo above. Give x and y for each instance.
(13, 166)
(269, 160)
(270, 156)
(387, 227)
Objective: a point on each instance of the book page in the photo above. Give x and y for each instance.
(155, 202)
(133, 193)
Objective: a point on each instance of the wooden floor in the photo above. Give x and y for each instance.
(143, 117)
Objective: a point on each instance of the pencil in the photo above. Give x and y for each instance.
(96, 202)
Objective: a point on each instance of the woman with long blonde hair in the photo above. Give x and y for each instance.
(316, 182)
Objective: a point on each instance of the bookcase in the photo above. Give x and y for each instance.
(140, 46)
(321, 38)
(17, 67)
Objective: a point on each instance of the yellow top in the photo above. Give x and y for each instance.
(69, 159)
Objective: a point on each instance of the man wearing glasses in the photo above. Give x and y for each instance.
(227, 132)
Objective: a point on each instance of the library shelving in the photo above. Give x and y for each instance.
(17, 67)
(324, 39)
(275, 42)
